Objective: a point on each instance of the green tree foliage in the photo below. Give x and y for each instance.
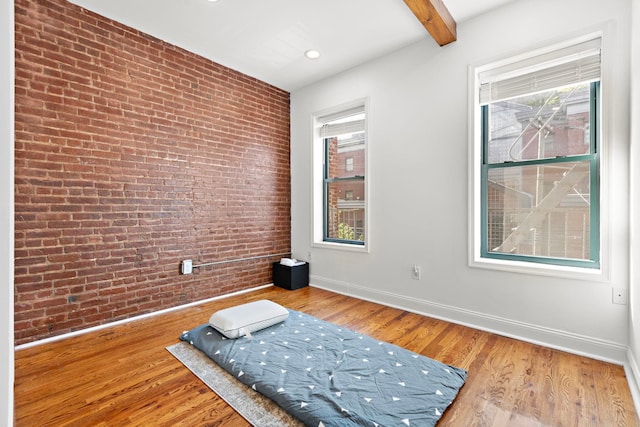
(345, 232)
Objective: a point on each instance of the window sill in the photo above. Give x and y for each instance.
(558, 271)
(342, 246)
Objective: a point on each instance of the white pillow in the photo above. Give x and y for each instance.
(234, 322)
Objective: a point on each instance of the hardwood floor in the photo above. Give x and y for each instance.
(124, 376)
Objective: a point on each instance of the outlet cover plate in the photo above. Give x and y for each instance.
(620, 296)
(187, 266)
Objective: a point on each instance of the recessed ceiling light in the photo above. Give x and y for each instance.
(312, 54)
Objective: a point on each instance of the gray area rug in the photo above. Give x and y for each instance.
(257, 409)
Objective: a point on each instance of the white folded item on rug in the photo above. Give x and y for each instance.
(242, 320)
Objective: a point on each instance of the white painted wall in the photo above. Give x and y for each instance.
(634, 335)
(6, 215)
(418, 172)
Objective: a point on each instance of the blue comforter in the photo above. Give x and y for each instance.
(327, 375)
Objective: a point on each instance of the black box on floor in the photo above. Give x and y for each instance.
(294, 277)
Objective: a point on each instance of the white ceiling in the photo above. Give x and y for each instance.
(266, 39)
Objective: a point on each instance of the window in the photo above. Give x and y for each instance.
(539, 159)
(348, 164)
(342, 135)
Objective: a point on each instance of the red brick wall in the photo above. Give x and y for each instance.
(131, 155)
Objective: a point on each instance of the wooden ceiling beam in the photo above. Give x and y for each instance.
(435, 17)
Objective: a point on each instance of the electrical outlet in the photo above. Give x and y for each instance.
(186, 267)
(620, 296)
(416, 272)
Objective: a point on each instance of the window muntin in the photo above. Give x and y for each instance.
(540, 163)
(344, 207)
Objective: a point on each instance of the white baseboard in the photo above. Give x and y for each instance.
(560, 340)
(632, 371)
(133, 319)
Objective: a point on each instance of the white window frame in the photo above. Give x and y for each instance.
(475, 259)
(317, 199)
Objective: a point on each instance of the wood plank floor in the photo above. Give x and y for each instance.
(124, 376)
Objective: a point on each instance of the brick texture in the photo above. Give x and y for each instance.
(131, 155)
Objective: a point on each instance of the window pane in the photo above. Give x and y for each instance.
(545, 125)
(345, 210)
(540, 210)
(346, 156)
